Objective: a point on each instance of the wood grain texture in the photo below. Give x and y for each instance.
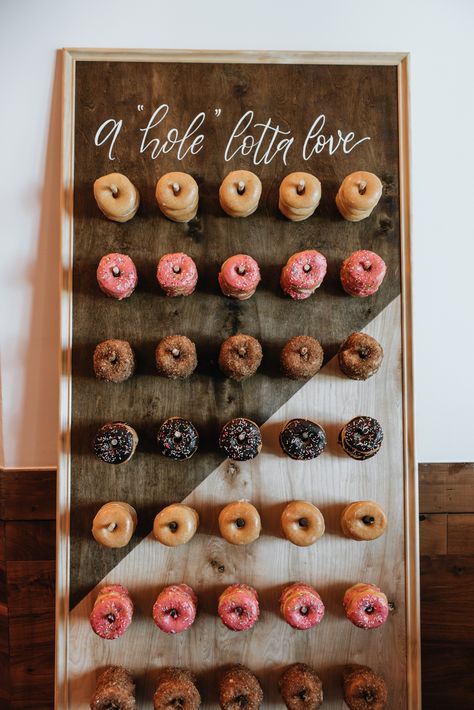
(461, 534)
(433, 534)
(30, 540)
(34, 501)
(30, 587)
(446, 488)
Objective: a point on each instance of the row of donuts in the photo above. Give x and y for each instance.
(361, 274)
(302, 523)
(240, 439)
(177, 195)
(360, 356)
(299, 685)
(238, 607)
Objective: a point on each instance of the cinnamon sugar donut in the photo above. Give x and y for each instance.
(239, 193)
(299, 195)
(364, 689)
(301, 357)
(302, 523)
(239, 523)
(301, 688)
(114, 360)
(114, 689)
(360, 356)
(239, 689)
(240, 356)
(177, 195)
(176, 524)
(176, 689)
(358, 195)
(176, 357)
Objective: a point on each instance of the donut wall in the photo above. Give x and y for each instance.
(298, 163)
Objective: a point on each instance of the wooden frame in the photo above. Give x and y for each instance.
(70, 58)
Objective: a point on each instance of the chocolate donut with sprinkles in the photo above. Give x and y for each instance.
(115, 443)
(361, 438)
(302, 439)
(178, 438)
(240, 439)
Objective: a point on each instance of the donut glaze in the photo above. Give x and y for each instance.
(239, 277)
(363, 520)
(366, 606)
(302, 523)
(303, 274)
(115, 443)
(240, 439)
(176, 688)
(177, 274)
(112, 613)
(299, 195)
(361, 438)
(175, 608)
(238, 607)
(240, 356)
(176, 357)
(114, 689)
(117, 276)
(178, 438)
(302, 439)
(114, 361)
(301, 688)
(239, 688)
(358, 194)
(301, 357)
(301, 606)
(362, 273)
(360, 356)
(239, 523)
(114, 524)
(177, 195)
(175, 525)
(239, 193)
(117, 197)
(364, 689)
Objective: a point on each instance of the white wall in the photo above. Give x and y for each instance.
(439, 36)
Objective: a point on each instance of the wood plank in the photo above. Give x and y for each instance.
(4, 678)
(460, 534)
(31, 631)
(32, 674)
(433, 534)
(30, 586)
(447, 677)
(446, 488)
(2, 542)
(30, 704)
(28, 494)
(31, 540)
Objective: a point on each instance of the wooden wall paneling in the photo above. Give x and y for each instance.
(460, 529)
(446, 487)
(34, 501)
(433, 534)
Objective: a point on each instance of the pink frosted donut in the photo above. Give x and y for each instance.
(177, 274)
(301, 606)
(238, 607)
(112, 612)
(303, 273)
(239, 276)
(117, 276)
(366, 606)
(175, 608)
(362, 273)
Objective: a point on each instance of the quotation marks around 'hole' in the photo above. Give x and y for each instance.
(217, 112)
(140, 107)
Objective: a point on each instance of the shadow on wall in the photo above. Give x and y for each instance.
(39, 426)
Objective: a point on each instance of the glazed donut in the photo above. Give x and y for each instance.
(239, 193)
(302, 523)
(175, 608)
(177, 195)
(299, 195)
(240, 357)
(240, 439)
(176, 357)
(360, 356)
(115, 443)
(302, 439)
(239, 688)
(301, 606)
(363, 520)
(239, 277)
(175, 525)
(112, 612)
(117, 276)
(366, 606)
(238, 607)
(177, 274)
(358, 194)
(116, 197)
(176, 688)
(114, 689)
(303, 274)
(362, 273)
(361, 438)
(114, 524)
(301, 357)
(239, 522)
(114, 360)
(364, 689)
(301, 688)
(177, 438)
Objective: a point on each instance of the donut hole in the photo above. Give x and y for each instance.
(368, 520)
(110, 618)
(369, 695)
(302, 695)
(366, 265)
(362, 187)
(176, 269)
(369, 609)
(173, 526)
(238, 610)
(178, 702)
(115, 271)
(307, 268)
(303, 522)
(304, 353)
(241, 701)
(173, 613)
(304, 610)
(240, 523)
(364, 353)
(240, 270)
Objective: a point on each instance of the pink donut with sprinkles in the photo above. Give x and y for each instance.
(366, 606)
(301, 606)
(117, 276)
(238, 607)
(112, 613)
(177, 274)
(175, 608)
(239, 276)
(362, 273)
(303, 274)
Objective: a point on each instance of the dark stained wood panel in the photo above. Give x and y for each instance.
(446, 487)
(28, 494)
(30, 540)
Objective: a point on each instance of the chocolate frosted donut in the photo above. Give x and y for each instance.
(301, 357)
(364, 689)
(114, 361)
(176, 688)
(176, 357)
(115, 689)
(361, 438)
(240, 439)
(360, 356)
(115, 443)
(239, 689)
(302, 439)
(301, 688)
(240, 356)
(177, 438)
